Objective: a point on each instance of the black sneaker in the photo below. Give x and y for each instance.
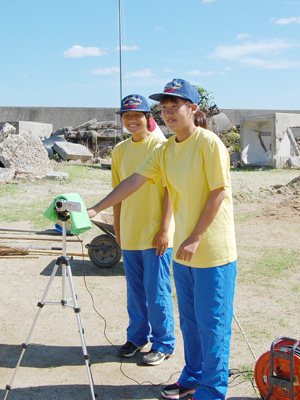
(175, 392)
(129, 349)
(155, 357)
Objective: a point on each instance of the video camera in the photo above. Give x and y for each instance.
(62, 205)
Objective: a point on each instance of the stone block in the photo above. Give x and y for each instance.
(72, 151)
(41, 130)
(7, 175)
(6, 130)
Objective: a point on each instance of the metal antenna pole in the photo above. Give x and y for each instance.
(120, 58)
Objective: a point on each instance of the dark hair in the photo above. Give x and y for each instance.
(148, 117)
(199, 117)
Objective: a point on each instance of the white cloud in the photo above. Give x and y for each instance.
(243, 36)
(266, 54)
(263, 47)
(144, 73)
(208, 1)
(79, 51)
(196, 72)
(270, 64)
(105, 71)
(168, 71)
(287, 21)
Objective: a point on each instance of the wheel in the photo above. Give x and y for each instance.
(104, 251)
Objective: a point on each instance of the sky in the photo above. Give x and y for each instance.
(66, 53)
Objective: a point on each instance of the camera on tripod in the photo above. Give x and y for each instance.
(62, 205)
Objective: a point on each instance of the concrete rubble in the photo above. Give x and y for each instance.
(22, 155)
(26, 147)
(271, 140)
(99, 137)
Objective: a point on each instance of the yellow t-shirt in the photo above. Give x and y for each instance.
(141, 212)
(191, 169)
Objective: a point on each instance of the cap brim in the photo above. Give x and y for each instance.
(159, 96)
(156, 96)
(132, 109)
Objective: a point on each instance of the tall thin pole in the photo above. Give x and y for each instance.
(120, 58)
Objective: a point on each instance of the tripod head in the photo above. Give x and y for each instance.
(62, 208)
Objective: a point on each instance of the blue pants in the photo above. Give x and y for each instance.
(205, 302)
(149, 301)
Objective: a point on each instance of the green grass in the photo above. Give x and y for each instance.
(274, 262)
(27, 201)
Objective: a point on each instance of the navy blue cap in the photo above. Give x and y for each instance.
(134, 102)
(179, 88)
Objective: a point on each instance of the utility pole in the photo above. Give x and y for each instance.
(120, 63)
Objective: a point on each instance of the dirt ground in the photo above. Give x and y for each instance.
(266, 303)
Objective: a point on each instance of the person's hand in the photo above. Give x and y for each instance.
(160, 242)
(187, 249)
(91, 212)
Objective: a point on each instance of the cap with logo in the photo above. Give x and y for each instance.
(134, 102)
(179, 88)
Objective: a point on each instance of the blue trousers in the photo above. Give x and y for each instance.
(149, 301)
(205, 302)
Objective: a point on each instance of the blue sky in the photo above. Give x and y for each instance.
(64, 53)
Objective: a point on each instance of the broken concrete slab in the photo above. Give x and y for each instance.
(269, 140)
(72, 151)
(7, 175)
(41, 130)
(57, 175)
(219, 123)
(49, 143)
(26, 154)
(6, 130)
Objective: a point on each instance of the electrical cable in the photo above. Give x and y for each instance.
(106, 337)
(243, 333)
(232, 372)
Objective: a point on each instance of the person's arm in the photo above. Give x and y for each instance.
(161, 238)
(119, 193)
(188, 248)
(117, 213)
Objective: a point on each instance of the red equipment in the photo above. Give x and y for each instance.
(277, 372)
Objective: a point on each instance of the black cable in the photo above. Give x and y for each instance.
(106, 337)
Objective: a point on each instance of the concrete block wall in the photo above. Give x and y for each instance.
(61, 117)
(265, 140)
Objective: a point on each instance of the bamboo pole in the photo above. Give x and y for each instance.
(45, 240)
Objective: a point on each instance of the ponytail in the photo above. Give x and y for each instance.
(200, 119)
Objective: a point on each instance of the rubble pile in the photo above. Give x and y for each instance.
(22, 155)
(99, 137)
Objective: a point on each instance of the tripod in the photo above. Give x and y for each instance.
(64, 262)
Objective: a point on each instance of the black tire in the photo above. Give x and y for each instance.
(108, 252)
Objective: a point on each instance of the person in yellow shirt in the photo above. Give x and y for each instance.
(142, 224)
(195, 165)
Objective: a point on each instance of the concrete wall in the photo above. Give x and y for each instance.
(60, 117)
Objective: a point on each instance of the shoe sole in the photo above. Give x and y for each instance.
(134, 352)
(178, 396)
(158, 361)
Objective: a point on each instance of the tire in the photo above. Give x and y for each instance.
(108, 252)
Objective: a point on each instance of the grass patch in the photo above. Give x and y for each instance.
(27, 201)
(273, 262)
